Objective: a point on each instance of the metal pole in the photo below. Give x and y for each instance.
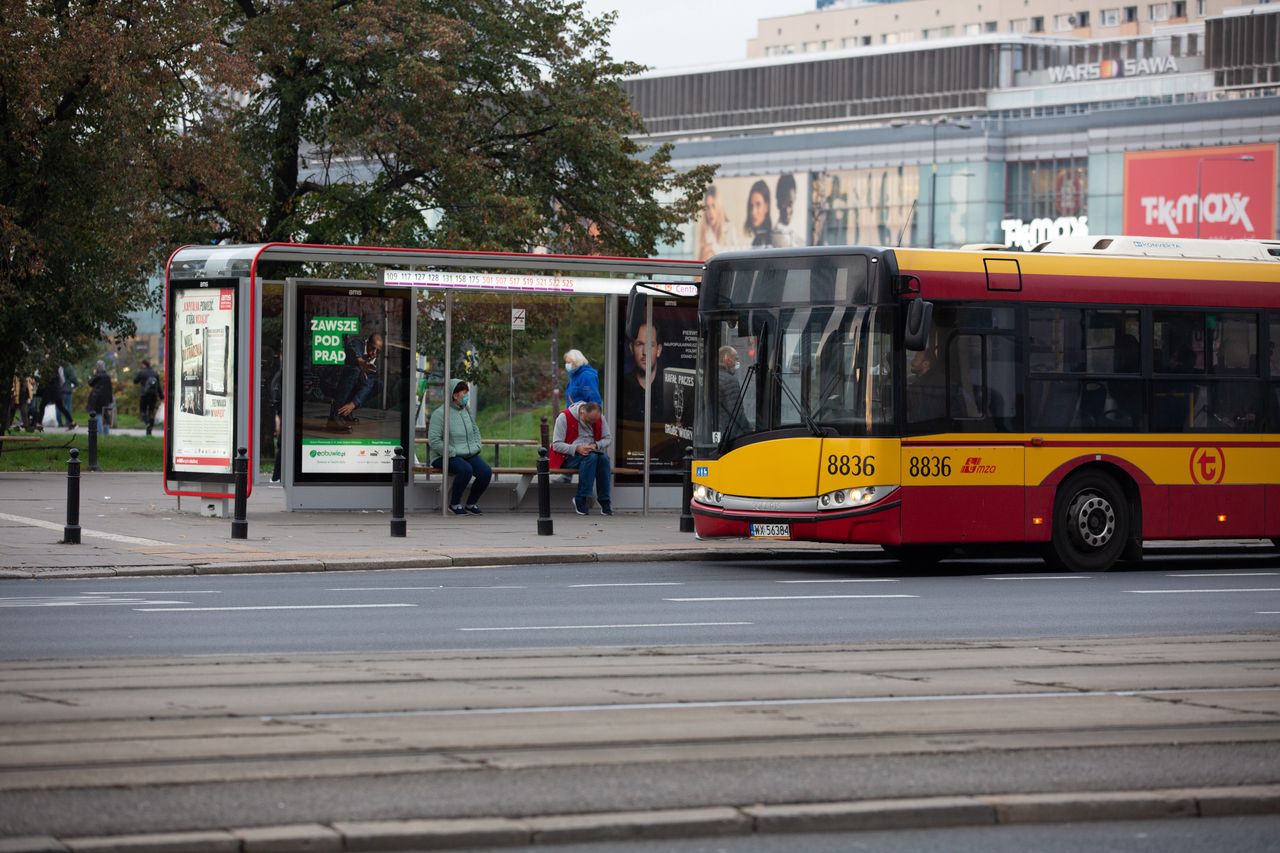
(648, 394)
(71, 533)
(399, 465)
(448, 402)
(545, 527)
(933, 185)
(686, 514)
(93, 441)
(240, 469)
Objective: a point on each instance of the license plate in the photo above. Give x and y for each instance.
(771, 531)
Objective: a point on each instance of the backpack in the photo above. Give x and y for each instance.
(150, 386)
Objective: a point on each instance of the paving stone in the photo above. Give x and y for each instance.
(296, 838)
(432, 834)
(673, 823)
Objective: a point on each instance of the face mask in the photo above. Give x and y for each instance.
(466, 398)
(568, 368)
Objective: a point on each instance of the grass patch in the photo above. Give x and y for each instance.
(115, 453)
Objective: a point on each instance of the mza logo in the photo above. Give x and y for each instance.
(1208, 465)
(973, 465)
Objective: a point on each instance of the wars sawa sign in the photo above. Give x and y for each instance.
(1107, 69)
(1227, 192)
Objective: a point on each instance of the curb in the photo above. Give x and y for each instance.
(427, 561)
(528, 558)
(717, 821)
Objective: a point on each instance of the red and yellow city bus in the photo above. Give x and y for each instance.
(1076, 402)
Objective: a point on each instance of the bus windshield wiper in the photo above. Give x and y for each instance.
(727, 432)
(817, 431)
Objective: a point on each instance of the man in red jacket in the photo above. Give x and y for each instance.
(579, 440)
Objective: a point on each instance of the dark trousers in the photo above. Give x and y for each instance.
(354, 387)
(462, 469)
(593, 470)
(148, 404)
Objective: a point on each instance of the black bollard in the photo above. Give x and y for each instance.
(686, 514)
(71, 533)
(399, 467)
(240, 470)
(544, 494)
(93, 442)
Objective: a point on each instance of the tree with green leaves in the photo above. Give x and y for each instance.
(105, 109)
(466, 124)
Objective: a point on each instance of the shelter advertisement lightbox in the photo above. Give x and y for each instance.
(664, 357)
(353, 363)
(200, 423)
(1236, 184)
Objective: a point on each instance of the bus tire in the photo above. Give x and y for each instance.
(1091, 521)
(918, 555)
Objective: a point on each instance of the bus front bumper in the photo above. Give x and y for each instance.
(878, 524)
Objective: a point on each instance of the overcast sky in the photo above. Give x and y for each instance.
(674, 33)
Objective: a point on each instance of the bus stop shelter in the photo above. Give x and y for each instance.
(352, 347)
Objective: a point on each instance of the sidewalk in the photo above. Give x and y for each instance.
(130, 527)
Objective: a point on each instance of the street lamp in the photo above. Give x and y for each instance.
(1243, 158)
(933, 166)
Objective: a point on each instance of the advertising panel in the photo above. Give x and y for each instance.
(862, 207)
(201, 416)
(667, 365)
(1237, 187)
(769, 212)
(353, 365)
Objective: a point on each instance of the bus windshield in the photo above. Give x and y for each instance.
(795, 368)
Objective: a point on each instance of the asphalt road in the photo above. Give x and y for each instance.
(635, 604)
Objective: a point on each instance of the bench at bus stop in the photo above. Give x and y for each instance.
(525, 474)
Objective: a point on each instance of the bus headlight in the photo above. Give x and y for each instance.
(848, 498)
(705, 495)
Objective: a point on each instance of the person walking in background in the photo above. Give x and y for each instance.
(51, 395)
(149, 394)
(465, 461)
(69, 382)
(579, 440)
(584, 383)
(101, 397)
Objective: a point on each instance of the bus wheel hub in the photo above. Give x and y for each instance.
(1094, 519)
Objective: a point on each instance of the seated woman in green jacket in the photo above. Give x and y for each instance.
(464, 451)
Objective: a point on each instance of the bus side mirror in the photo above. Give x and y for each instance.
(919, 324)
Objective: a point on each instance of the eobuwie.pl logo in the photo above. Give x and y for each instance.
(1216, 208)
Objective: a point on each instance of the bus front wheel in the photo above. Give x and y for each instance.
(1091, 522)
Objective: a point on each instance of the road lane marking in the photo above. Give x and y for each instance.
(404, 588)
(651, 583)
(49, 525)
(1221, 574)
(1041, 578)
(784, 597)
(1174, 591)
(267, 607)
(757, 703)
(158, 592)
(1268, 612)
(89, 602)
(846, 580)
(584, 627)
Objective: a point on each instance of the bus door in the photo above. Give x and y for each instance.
(962, 467)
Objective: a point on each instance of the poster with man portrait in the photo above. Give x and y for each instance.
(661, 357)
(863, 207)
(352, 393)
(768, 212)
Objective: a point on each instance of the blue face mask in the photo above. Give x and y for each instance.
(466, 398)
